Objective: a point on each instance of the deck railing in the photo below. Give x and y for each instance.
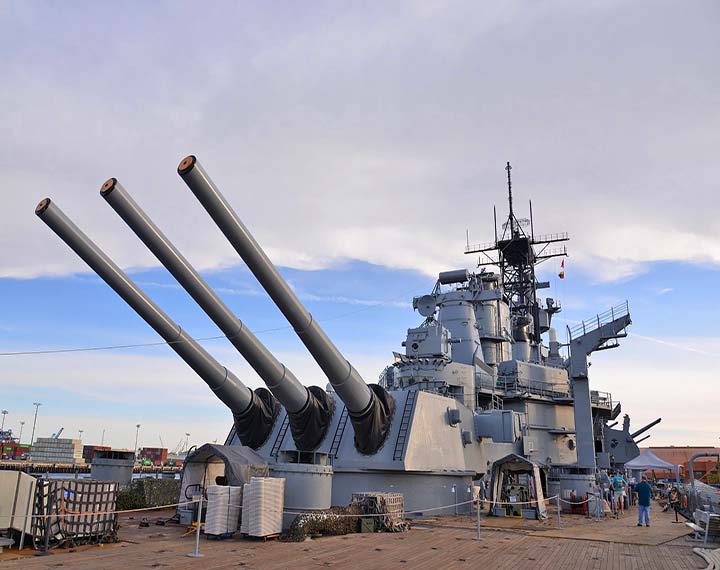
(599, 320)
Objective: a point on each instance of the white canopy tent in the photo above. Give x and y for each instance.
(647, 460)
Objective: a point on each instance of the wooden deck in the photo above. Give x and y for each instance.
(443, 542)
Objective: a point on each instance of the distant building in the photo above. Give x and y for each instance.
(89, 451)
(680, 455)
(157, 455)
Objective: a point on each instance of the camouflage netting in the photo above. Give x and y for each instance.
(334, 521)
(156, 492)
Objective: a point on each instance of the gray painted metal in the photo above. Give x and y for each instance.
(691, 463)
(222, 381)
(281, 381)
(345, 380)
(107, 469)
(590, 338)
(308, 487)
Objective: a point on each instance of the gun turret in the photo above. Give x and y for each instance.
(370, 407)
(254, 412)
(309, 410)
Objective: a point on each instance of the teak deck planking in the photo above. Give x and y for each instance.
(445, 543)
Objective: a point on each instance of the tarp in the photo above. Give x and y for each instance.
(309, 425)
(514, 463)
(648, 460)
(254, 426)
(373, 424)
(237, 463)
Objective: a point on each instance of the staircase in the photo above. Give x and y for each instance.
(405, 424)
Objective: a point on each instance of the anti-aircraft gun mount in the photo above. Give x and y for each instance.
(475, 383)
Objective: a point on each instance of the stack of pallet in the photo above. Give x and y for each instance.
(223, 510)
(262, 511)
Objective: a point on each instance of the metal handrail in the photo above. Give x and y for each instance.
(599, 320)
(562, 236)
(480, 247)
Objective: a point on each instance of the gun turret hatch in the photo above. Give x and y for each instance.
(254, 412)
(309, 410)
(370, 407)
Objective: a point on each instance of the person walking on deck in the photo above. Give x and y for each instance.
(619, 485)
(644, 491)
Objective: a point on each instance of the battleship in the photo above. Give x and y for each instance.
(482, 380)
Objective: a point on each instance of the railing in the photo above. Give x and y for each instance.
(488, 246)
(515, 385)
(599, 320)
(548, 238)
(601, 399)
(548, 252)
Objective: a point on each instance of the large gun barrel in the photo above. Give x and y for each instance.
(645, 428)
(309, 410)
(370, 407)
(254, 412)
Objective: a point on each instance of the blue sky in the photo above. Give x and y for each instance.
(359, 143)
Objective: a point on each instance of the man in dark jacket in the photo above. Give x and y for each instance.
(644, 492)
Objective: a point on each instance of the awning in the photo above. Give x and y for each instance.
(648, 460)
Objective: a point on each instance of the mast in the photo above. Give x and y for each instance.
(516, 254)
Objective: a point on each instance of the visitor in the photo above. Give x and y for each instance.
(619, 485)
(644, 492)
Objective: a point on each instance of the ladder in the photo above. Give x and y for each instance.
(339, 432)
(280, 436)
(405, 424)
(496, 402)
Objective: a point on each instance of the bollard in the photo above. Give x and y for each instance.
(477, 536)
(557, 499)
(197, 554)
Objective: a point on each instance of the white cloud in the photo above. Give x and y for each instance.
(373, 134)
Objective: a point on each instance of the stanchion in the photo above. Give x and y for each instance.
(46, 528)
(477, 507)
(557, 500)
(197, 554)
(27, 515)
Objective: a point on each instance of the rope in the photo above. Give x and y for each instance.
(575, 502)
(533, 502)
(65, 513)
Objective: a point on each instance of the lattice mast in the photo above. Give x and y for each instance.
(516, 253)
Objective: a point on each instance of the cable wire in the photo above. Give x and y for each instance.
(169, 343)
